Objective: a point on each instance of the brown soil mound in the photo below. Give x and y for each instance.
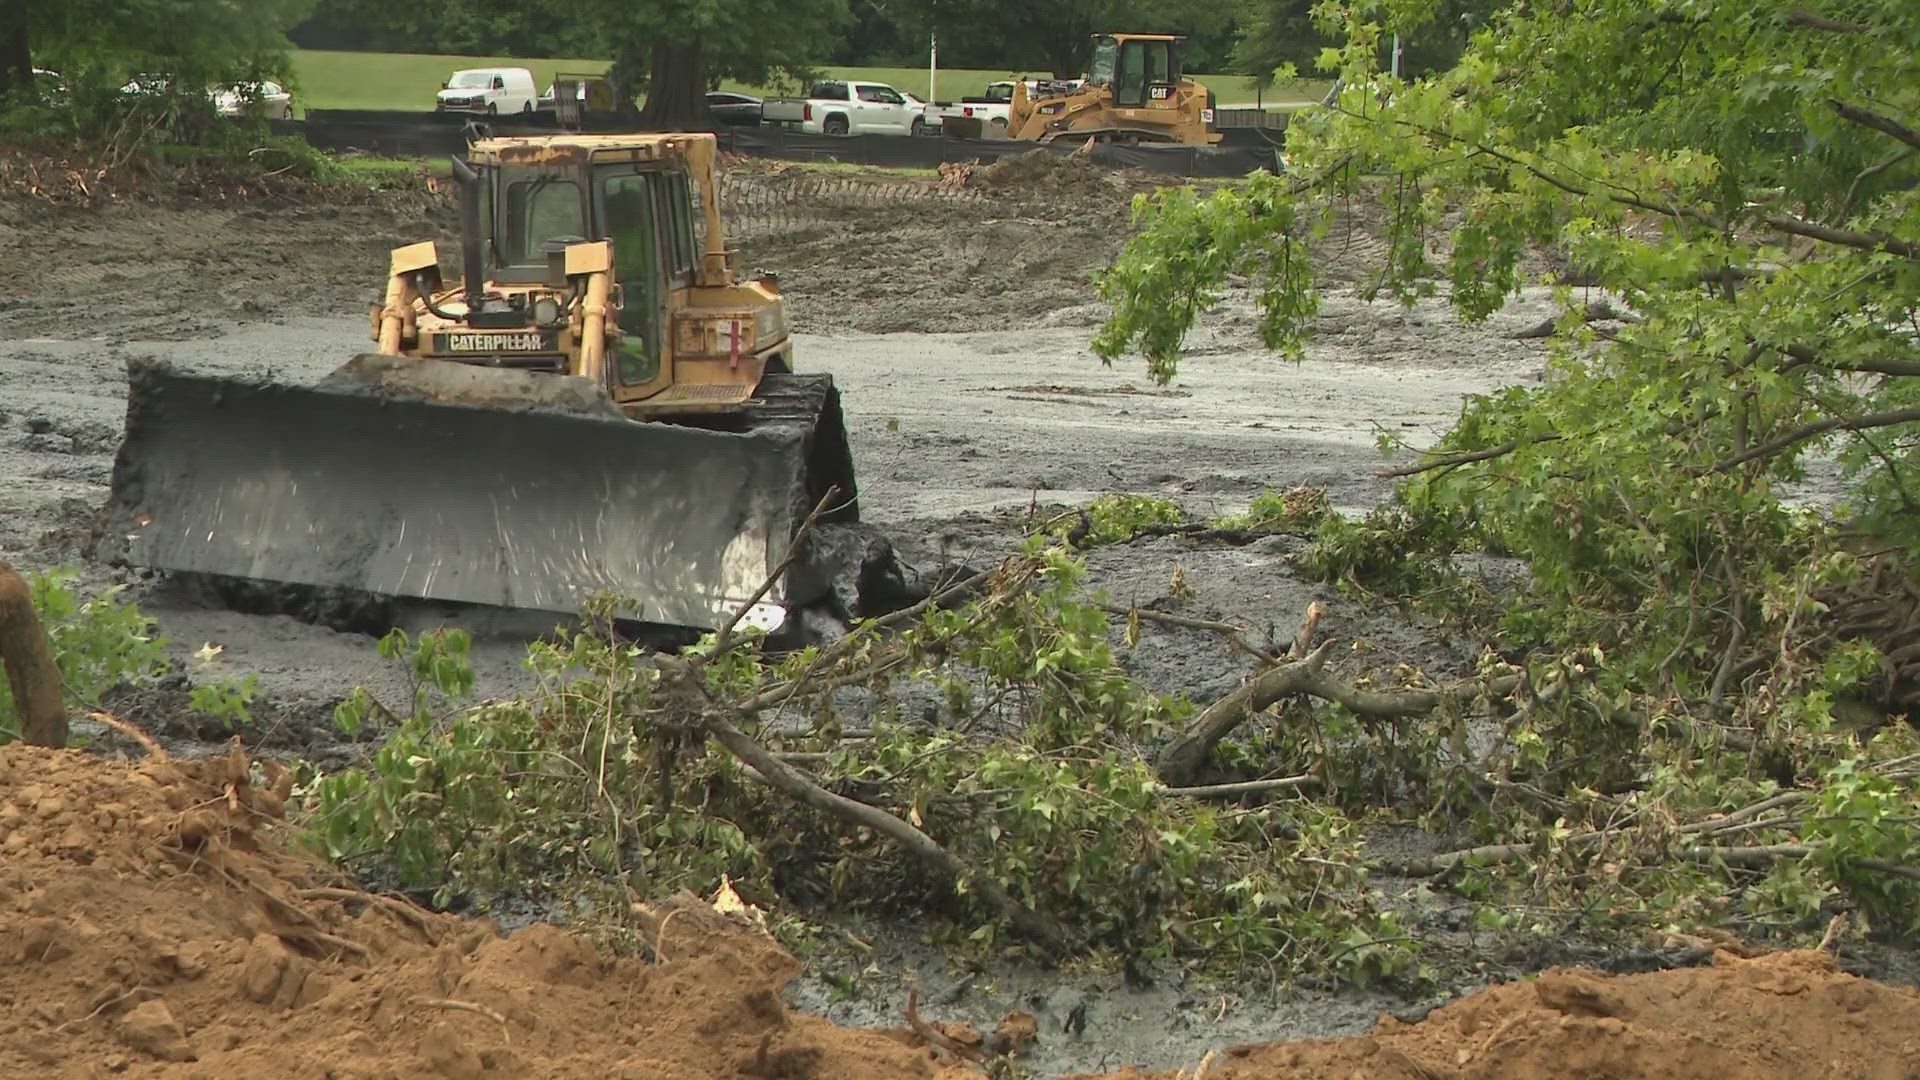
(150, 927)
(147, 928)
(1787, 1015)
(1046, 172)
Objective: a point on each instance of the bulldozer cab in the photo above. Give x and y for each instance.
(1142, 69)
(599, 256)
(536, 209)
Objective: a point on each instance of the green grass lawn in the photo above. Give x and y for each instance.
(407, 81)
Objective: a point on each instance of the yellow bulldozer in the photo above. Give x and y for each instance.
(599, 403)
(1135, 91)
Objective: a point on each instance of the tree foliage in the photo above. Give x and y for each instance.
(1741, 177)
(199, 42)
(450, 27)
(1281, 35)
(1743, 181)
(676, 50)
(1010, 32)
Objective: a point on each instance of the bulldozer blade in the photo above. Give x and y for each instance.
(445, 481)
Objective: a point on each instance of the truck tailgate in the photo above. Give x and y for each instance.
(783, 110)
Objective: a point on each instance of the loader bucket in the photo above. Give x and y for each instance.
(431, 479)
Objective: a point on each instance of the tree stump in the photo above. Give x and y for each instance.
(31, 676)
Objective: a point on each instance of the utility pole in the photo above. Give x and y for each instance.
(1396, 56)
(933, 68)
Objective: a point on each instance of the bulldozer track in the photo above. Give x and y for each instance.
(757, 205)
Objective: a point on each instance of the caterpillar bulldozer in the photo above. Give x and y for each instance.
(599, 403)
(1135, 91)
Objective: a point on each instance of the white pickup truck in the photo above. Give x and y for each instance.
(847, 107)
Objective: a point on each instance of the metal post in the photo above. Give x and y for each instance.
(1396, 56)
(933, 68)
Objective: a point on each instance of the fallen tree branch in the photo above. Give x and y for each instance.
(31, 673)
(1860, 241)
(1885, 125)
(1812, 21)
(1814, 430)
(792, 782)
(466, 1006)
(1449, 461)
(934, 1035)
(1877, 366)
(1182, 758)
(1235, 635)
(1598, 311)
(146, 742)
(1234, 791)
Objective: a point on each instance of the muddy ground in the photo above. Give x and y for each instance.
(956, 326)
(153, 923)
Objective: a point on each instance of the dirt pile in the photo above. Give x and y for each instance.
(148, 927)
(1786, 1015)
(1048, 173)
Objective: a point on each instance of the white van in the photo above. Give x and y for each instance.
(488, 90)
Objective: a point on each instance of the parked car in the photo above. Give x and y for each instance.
(727, 107)
(846, 107)
(268, 99)
(488, 90)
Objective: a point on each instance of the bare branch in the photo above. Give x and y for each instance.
(1820, 427)
(792, 782)
(1449, 461)
(1885, 366)
(1886, 125)
(1813, 230)
(1249, 787)
(1235, 635)
(1813, 21)
(1182, 757)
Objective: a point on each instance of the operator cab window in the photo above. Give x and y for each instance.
(1106, 55)
(679, 200)
(628, 207)
(537, 211)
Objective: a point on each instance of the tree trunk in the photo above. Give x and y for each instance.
(629, 76)
(676, 90)
(16, 59)
(31, 676)
(1067, 57)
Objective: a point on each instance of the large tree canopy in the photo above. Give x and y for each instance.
(198, 42)
(1016, 32)
(1276, 34)
(676, 50)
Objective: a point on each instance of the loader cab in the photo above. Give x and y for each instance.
(532, 207)
(1143, 70)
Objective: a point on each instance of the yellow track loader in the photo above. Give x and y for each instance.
(598, 404)
(1135, 91)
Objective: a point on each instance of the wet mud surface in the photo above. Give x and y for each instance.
(956, 328)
